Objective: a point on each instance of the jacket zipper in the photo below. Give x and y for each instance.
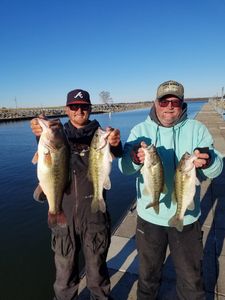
(76, 202)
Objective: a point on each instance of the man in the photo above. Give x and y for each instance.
(173, 134)
(86, 230)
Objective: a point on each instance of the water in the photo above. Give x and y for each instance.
(26, 260)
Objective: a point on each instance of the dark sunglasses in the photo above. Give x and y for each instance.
(75, 107)
(174, 103)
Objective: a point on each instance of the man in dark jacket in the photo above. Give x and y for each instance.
(86, 230)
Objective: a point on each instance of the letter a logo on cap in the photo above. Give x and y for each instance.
(78, 95)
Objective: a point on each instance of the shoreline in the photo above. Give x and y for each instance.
(21, 114)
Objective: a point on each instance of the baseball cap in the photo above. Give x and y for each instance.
(78, 96)
(170, 87)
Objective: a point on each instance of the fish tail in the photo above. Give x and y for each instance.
(102, 206)
(52, 219)
(176, 222)
(98, 204)
(61, 219)
(94, 205)
(155, 205)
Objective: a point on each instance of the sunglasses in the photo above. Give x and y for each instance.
(75, 107)
(174, 103)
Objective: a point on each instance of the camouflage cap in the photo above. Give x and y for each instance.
(170, 87)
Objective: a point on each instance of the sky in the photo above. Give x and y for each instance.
(125, 47)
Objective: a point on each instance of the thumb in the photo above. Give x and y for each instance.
(143, 145)
(42, 116)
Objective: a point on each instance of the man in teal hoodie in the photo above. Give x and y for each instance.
(168, 128)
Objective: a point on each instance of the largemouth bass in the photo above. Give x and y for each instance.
(153, 175)
(100, 161)
(52, 160)
(184, 189)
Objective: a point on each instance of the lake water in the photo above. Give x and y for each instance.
(26, 260)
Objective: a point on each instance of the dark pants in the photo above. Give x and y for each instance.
(67, 245)
(186, 250)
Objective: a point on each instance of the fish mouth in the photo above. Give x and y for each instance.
(43, 123)
(102, 146)
(50, 146)
(191, 158)
(105, 139)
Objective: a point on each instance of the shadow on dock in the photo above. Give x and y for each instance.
(213, 226)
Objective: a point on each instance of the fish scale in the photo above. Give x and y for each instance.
(153, 176)
(99, 169)
(184, 189)
(52, 169)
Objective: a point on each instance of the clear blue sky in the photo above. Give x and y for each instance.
(126, 47)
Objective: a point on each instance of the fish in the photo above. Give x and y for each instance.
(153, 176)
(52, 158)
(185, 182)
(100, 162)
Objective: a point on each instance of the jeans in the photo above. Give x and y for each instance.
(186, 250)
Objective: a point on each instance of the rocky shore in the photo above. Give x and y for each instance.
(8, 114)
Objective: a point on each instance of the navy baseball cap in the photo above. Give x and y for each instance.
(78, 96)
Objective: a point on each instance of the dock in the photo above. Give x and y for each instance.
(122, 258)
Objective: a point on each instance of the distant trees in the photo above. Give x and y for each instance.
(105, 97)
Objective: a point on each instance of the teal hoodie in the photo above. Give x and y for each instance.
(171, 142)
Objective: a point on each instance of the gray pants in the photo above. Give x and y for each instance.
(67, 244)
(186, 251)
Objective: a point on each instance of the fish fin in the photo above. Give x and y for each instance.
(48, 159)
(89, 177)
(94, 205)
(197, 182)
(145, 192)
(155, 205)
(107, 183)
(61, 219)
(52, 219)
(35, 158)
(173, 197)
(176, 222)
(102, 205)
(98, 204)
(39, 195)
(165, 190)
(191, 206)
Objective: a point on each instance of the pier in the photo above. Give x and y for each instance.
(122, 258)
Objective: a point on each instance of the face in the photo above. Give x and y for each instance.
(168, 112)
(78, 114)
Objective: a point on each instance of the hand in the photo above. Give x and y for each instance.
(114, 136)
(202, 159)
(35, 126)
(141, 153)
